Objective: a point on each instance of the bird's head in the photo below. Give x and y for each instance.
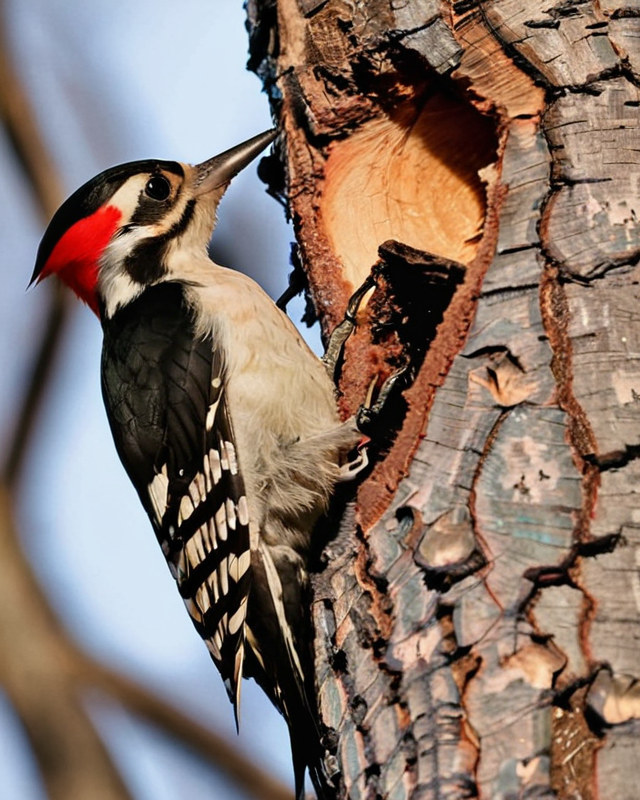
(124, 229)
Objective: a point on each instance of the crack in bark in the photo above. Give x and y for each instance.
(563, 574)
(470, 663)
(601, 270)
(625, 13)
(511, 291)
(514, 54)
(555, 315)
(616, 459)
(555, 90)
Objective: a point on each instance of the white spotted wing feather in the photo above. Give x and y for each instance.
(164, 390)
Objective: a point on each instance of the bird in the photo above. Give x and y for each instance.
(224, 420)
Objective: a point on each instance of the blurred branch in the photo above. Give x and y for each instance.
(31, 152)
(23, 131)
(41, 668)
(40, 375)
(204, 741)
(43, 672)
(35, 671)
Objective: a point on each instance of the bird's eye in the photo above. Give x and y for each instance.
(158, 188)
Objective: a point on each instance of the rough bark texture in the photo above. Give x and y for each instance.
(477, 622)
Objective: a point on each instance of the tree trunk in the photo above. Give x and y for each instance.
(477, 626)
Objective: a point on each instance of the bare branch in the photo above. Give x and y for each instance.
(57, 315)
(43, 672)
(34, 670)
(211, 746)
(32, 155)
(21, 126)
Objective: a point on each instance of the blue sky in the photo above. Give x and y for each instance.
(114, 81)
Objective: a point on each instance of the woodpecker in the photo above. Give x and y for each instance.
(223, 418)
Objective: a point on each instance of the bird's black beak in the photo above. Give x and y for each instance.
(220, 169)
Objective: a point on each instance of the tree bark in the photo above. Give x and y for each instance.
(477, 625)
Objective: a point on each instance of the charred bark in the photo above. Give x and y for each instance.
(477, 625)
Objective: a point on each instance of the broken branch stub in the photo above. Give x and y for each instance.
(413, 291)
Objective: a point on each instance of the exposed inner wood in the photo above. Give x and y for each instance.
(496, 82)
(411, 176)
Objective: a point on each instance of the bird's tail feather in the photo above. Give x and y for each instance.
(278, 656)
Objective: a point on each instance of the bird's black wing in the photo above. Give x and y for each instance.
(164, 392)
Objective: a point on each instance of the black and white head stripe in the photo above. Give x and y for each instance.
(164, 392)
(146, 261)
(93, 195)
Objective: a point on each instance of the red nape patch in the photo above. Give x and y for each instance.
(75, 257)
